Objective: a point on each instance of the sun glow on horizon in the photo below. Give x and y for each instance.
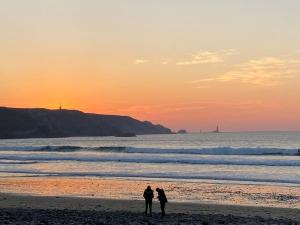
(187, 65)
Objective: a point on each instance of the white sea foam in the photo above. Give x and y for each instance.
(159, 159)
(194, 151)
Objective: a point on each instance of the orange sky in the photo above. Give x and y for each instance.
(191, 64)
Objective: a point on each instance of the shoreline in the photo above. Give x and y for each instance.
(14, 207)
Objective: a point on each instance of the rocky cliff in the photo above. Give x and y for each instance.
(45, 123)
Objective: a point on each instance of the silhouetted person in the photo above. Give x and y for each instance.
(148, 196)
(162, 199)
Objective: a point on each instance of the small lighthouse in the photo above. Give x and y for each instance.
(217, 130)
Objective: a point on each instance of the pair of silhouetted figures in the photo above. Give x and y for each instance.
(148, 195)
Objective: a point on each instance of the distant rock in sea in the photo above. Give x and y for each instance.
(46, 123)
(182, 131)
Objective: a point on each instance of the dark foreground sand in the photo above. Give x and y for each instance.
(17, 209)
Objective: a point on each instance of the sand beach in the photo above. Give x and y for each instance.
(103, 201)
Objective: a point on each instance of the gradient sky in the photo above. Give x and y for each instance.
(188, 64)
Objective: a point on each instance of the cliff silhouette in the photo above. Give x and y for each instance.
(46, 123)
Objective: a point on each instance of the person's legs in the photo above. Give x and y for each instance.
(146, 206)
(150, 207)
(162, 207)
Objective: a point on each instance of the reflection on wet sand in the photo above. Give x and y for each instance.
(232, 194)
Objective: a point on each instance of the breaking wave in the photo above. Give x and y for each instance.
(193, 151)
(159, 159)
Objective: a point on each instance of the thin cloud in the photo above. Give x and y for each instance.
(202, 86)
(268, 71)
(192, 106)
(140, 61)
(201, 80)
(208, 57)
(164, 62)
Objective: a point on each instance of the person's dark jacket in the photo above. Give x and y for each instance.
(148, 194)
(162, 196)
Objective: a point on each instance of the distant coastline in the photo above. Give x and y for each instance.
(46, 123)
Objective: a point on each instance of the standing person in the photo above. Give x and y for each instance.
(162, 199)
(148, 196)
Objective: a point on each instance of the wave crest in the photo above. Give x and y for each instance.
(193, 151)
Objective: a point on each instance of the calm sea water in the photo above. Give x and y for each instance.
(254, 157)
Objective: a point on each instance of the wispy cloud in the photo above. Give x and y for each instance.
(268, 71)
(165, 62)
(192, 107)
(207, 57)
(140, 61)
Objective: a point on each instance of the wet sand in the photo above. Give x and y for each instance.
(213, 193)
(40, 200)
(21, 209)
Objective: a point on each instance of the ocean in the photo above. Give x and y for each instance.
(241, 157)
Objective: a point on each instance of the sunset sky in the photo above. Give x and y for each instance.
(188, 64)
